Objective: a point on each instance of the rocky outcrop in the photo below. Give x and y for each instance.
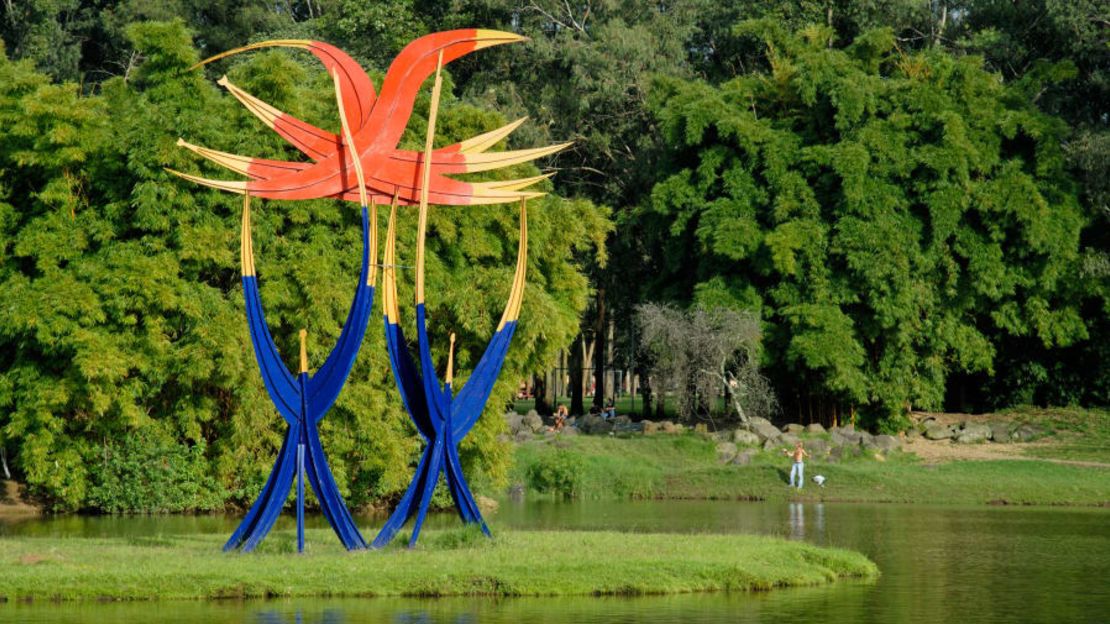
(744, 437)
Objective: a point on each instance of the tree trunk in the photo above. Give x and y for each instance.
(539, 392)
(577, 407)
(600, 350)
(645, 391)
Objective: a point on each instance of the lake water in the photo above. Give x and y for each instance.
(987, 565)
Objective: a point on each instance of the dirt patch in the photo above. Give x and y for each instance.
(11, 500)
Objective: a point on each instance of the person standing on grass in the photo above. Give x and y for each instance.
(798, 469)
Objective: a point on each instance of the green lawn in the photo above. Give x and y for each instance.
(686, 466)
(1076, 434)
(446, 563)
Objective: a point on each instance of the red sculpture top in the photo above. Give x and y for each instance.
(377, 123)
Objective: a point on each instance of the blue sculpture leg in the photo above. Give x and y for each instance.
(431, 479)
(408, 503)
(300, 498)
(275, 502)
(331, 501)
(255, 511)
(455, 474)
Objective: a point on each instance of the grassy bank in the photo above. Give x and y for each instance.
(447, 563)
(686, 466)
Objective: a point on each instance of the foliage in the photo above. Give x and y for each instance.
(123, 314)
(893, 215)
(700, 354)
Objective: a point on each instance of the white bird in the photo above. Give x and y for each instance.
(819, 480)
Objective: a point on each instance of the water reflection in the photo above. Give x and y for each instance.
(329, 616)
(976, 565)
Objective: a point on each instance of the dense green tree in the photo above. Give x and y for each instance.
(122, 334)
(887, 213)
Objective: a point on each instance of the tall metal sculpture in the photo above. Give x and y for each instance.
(364, 164)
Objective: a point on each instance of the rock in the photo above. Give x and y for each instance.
(1026, 433)
(938, 432)
(794, 428)
(572, 421)
(1000, 431)
(817, 448)
(701, 428)
(620, 421)
(522, 436)
(726, 452)
(569, 431)
(744, 457)
(755, 421)
(815, 428)
(852, 437)
(912, 435)
(886, 443)
(514, 421)
(840, 453)
(669, 427)
(973, 433)
(835, 439)
(650, 427)
(487, 504)
(532, 422)
(771, 445)
(745, 438)
(788, 440)
(592, 424)
(765, 430)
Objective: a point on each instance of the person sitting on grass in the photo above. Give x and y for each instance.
(560, 417)
(798, 469)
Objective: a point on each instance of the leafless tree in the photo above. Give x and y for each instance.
(700, 354)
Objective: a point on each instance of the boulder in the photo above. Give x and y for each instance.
(532, 422)
(745, 438)
(840, 453)
(1026, 433)
(1000, 431)
(886, 443)
(593, 424)
(973, 433)
(765, 430)
(912, 435)
(650, 426)
(755, 421)
(514, 421)
(569, 431)
(817, 448)
(835, 439)
(726, 452)
(794, 428)
(522, 436)
(815, 428)
(772, 445)
(744, 457)
(938, 432)
(701, 428)
(788, 440)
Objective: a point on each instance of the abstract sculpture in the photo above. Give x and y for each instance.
(364, 164)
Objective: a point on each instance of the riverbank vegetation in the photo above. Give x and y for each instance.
(686, 466)
(446, 563)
